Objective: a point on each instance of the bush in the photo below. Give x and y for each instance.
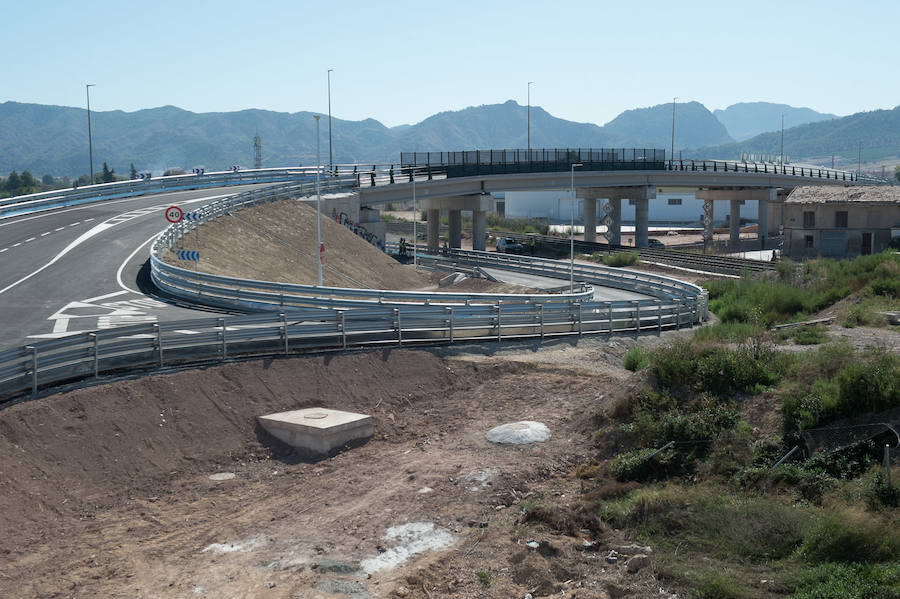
(728, 331)
(636, 358)
(847, 537)
(810, 335)
(879, 493)
(621, 259)
(716, 370)
(849, 581)
(811, 484)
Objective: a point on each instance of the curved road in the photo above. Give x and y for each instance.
(77, 269)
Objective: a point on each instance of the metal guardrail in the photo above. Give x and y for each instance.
(120, 189)
(40, 365)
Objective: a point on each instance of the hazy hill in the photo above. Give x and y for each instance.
(747, 119)
(879, 132)
(695, 126)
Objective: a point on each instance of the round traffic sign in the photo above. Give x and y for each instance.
(174, 214)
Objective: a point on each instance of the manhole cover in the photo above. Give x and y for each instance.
(221, 476)
(316, 415)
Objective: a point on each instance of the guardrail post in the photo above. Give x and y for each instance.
(159, 343)
(450, 311)
(610, 319)
(659, 318)
(34, 369)
(678, 315)
(637, 318)
(580, 320)
(399, 327)
(224, 341)
(284, 335)
(343, 329)
(93, 337)
(541, 314)
(499, 321)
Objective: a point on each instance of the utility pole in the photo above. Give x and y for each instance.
(330, 154)
(529, 119)
(859, 161)
(673, 128)
(782, 140)
(257, 151)
(87, 89)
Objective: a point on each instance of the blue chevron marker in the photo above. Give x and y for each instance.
(188, 255)
(193, 216)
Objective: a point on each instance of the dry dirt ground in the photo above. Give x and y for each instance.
(106, 490)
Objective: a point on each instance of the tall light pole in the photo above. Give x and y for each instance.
(330, 155)
(859, 161)
(415, 218)
(529, 119)
(318, 205)
(572, 235)
(673, 128)
(782, 142)
(87, 89)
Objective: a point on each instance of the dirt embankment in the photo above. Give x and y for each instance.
(105, 491)
(277, 242)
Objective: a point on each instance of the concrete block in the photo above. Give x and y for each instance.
(318, 430)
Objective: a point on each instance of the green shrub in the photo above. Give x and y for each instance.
(849, 538)
(810, 335)
(636, 358)
(810, 484)
(716, 585)
(728, 331)
(879, 493)
(621, 259)
(718, 370)
(849, 581)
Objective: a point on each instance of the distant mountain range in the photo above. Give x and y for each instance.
(52, 139)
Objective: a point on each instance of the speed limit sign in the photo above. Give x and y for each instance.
(174, 214)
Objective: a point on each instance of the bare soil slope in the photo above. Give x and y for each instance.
(277, 242)
(106, 490)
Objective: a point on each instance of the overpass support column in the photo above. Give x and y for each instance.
(590, 219)
(734, 220)
(434, 227)
(479, 229)
(614, 221)
(762, 229)
(455, 222)
(708, 216)
(641, 222)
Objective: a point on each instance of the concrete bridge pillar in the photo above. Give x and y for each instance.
(734, 237)
(479, 229)
(434, 227)
(762, 231)
(455, 222)
(641, 222)
(614, 210)
(590, 219)
(708, 217)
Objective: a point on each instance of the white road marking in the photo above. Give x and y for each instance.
(103, 297)
(59, 228)
(73, 224)
(15, 245)
(47, 233)
(127, 260)
(60, 325)
(96, 230)
(87, 220)
(3, 250)
(30, 239)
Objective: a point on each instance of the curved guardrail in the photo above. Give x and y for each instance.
(32, 368)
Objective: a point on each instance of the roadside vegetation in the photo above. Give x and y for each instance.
(616, 260)
(690, 461)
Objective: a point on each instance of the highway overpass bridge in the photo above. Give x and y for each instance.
(463, 181)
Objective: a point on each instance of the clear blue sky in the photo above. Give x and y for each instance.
(399, 62)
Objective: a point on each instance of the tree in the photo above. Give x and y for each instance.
(108, 176)
(13, 182)
(27, 181)
(133, 172)
(897, 172)
(48, 180)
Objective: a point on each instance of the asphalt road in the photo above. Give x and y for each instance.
(80, 268)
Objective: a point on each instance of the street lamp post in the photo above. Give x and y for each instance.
(572, 234)
(318, 206)
(87, 89)
(529, 119)
(859, 161)
(782, 142)
(415, 218)
(673, 128)
(330, 154)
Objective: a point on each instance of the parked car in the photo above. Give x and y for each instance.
(655, 244)
(508, 245)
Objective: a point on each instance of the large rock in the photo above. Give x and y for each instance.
(519, 433)
(638, 562)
